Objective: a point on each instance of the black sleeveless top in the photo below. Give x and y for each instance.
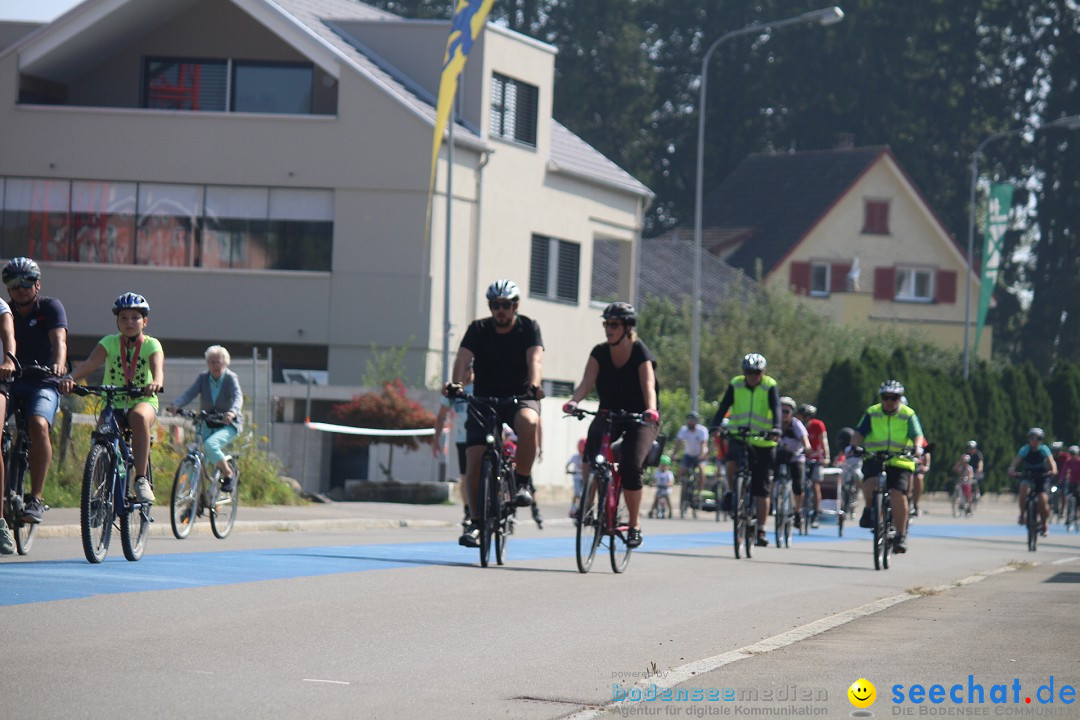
(620, 388)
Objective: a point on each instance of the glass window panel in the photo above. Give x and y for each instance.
(819, 278)
(237, 202)
(236, 244)
(293, 245)
(263, 88)
(168, 220)
(103, 222)
(178, 200)
(196, 85)
(301, 204)
(36, 219)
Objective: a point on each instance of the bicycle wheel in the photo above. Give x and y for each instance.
(24, 532)
(184, 505)
(588, 521)
(738, 518)
(842, 511)
(1032, 524)
(504, 511)
(890, 533)
(225, 506)
(878, 517)
(751, 523)
(487, 518)
(957, 502)
(781, 512)
(1070, 514)
(806, 510)
(663, 508)
(620, 528)
(96, 506)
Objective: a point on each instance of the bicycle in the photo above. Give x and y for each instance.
(806, 512)
(881, 516)
(195, 488)
(602, 513)
(961, 506)
(784, 502)
(663, 504)
(1070, 513)
(743, 509)
(105, 497)
(16, 451)
(497, 485)
(1032, 521)
(848, 499)
(689, 498)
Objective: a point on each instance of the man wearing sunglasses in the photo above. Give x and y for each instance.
(890, 426)
(506, 352)
(40, 339)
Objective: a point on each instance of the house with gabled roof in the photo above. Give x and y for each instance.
(259, 169)
(848, 230)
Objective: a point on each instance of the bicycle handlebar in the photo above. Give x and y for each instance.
(613, 415)
(109, 391)
(743, 433)
(202, 415)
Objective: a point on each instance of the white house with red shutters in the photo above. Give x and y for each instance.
(849, 230)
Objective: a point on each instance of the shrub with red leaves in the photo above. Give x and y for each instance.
(390, 410)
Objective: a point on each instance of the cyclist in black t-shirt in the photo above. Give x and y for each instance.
(506, 353)
(623, 371)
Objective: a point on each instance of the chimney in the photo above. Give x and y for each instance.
(845, 141)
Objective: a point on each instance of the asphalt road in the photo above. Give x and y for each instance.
(374, 612)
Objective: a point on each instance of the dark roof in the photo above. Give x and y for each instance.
(777, 199)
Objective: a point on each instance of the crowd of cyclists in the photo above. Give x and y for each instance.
(34, 331)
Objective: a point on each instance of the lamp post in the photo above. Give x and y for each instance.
(825, 16)
(1070, 122)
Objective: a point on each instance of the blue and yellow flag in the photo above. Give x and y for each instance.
(465, 29)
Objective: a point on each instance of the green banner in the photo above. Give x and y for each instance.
(997, 222)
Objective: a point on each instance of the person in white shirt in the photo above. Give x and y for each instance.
(693, 439)
(664, 479)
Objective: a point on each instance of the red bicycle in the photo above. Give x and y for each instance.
(602, 515)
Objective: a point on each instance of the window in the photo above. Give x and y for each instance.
(227, 86)
(103, 222)
(554, 271)
(876, 219)
(914, 284)
(606, 271)
(37, 222)
(819, 279)
(514, 106)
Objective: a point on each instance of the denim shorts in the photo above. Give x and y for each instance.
(36, 399)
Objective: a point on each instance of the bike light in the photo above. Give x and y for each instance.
(489, 439)
(600, 460)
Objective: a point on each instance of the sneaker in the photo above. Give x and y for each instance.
(537, 517)
(7, 543)
(798, 521)
(1020, 520)
(228, 484)
(814, 521)
(143, 492)
(865, 521)
(633, 538)
(523, 497)
(1043, 531)
(471, 537)
(914, 511)
(899, 545)
(32, 510)
(762, 541)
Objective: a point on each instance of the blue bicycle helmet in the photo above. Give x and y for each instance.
(131, 301)
(20, 268)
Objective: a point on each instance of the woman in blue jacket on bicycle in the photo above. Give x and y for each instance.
(218, 390)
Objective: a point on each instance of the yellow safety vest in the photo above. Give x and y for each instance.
(751, 409)
(889, 433)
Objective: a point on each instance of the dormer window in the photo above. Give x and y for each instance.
(514, 106)
(876, 219)
(227, 86)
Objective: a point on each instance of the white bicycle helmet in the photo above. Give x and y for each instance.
(503, 289)
(753, 362)
(891, 387)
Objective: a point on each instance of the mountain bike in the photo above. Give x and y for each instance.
(806, 511)
(848, 492)
(743, 509)
(784, 502)
(497, 485)
(109, 467)
(1032, 521)
(881, 515)
(689, 497)
(197, 486)
(602, 514)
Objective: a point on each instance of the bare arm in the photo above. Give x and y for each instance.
(648, 385)
(534, 357)
(157, 373)
(7, 335)
(58, 340)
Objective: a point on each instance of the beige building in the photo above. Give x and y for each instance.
(259, 169)
(847, 229)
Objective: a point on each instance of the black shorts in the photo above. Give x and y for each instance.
(761, 460)
(476, 431)
(897, 479)
(1036, 481)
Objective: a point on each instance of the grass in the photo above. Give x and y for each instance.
(260, 472)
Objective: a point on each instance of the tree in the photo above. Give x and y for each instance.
(392, 409)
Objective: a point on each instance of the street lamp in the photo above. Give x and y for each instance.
(1070, 122)
(825, 16)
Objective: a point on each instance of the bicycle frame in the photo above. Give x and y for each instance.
(16, 448)
(206, 493)
(743, 509)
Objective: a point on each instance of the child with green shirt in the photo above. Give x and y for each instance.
(130, 357)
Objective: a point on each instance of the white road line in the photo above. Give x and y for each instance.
(1062, 561)
(683, 673)
(330, 682)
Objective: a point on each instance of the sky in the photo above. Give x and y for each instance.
(35, 10)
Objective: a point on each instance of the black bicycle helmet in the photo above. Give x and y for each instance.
(20, 268)
(621, 311)
(753, 362)
(131, 301)
(807, 409)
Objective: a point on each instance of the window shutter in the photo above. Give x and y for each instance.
(838, 281)
(800, 277)
(946, 286)
(538, 270)
(884, 283)
(567, 282)
(527, 102)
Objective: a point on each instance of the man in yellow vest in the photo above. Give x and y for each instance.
(889, 426)
(754, 401)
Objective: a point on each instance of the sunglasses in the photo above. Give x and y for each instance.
(613, 324)
(19, 284)
(501, 304)
(753, 372)
(886, 398)
(785, 411)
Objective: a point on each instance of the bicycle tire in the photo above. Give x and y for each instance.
(1032, 523)
(96, 504)
(887, 546)
(487, 522)
(957, 503)
(783, 508)
(588, 523)
(503, 511)
(184, 503)
(24, 532)
(663, 508)
(223, 511)
(878, 516)
(1070, 514)
(751, 528)
(618, 532)
(738, 521)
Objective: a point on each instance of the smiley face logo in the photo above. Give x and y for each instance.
(862, 693)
